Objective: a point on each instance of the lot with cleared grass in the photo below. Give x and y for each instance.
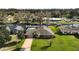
(59, 43)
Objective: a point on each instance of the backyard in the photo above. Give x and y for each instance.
(59, 43)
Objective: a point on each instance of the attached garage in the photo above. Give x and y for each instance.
(30, 31)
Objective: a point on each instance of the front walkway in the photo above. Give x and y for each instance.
(27, 44)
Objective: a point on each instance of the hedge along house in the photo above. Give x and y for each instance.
(40, 32)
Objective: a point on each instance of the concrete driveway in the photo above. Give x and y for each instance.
(27, 44)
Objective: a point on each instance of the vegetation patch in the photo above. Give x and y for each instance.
(19, 45)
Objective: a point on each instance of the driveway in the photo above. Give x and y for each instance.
(27, 44)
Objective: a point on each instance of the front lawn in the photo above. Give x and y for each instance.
(59, 43)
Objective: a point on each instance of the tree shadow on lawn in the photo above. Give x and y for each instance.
(59, 33)
(45, 47)
(9, 44)
(76, 36)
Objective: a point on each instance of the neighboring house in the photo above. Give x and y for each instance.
(9, 19)
(55, 19)
(14, 29)
(75, 19)
(70, 29)
(67, 19)
(45, 19)
(10, 28)
(18, 28)
(52, 20)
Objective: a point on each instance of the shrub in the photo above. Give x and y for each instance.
(20, 35)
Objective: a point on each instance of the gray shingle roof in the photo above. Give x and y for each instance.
(19, 28)
(44, 31)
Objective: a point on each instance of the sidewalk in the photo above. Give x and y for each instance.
(27, 44)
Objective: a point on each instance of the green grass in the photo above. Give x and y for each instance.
(53, 28)
(59, 43)
(20, 43)
(38, 44)
(64, 42)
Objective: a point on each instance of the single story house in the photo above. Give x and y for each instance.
(10, 19)
(13, 29)
(75, 19)
(70, 29)
(52, 20)
(10, 28)
(55, 19)
(18, 28)
(40, 32)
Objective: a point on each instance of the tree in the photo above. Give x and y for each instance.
(20, 35)
(4, 36)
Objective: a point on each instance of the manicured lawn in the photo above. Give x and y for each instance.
(38, 44)
(59, 43)
(64, 42)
